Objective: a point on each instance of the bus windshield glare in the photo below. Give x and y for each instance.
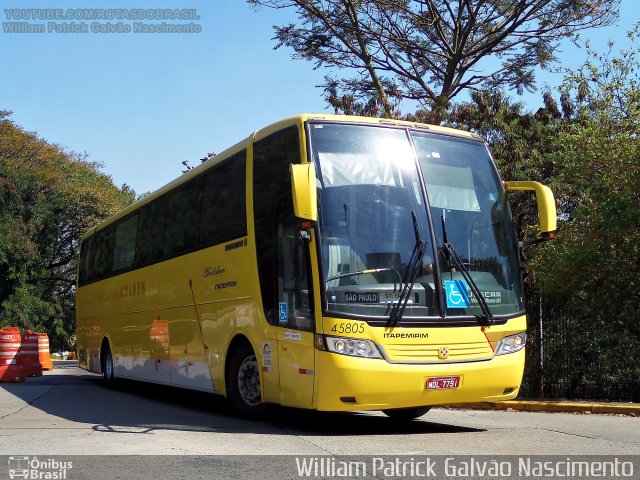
(373, 182)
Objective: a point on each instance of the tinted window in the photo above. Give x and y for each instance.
(125, 243)
(207, 210)
(83, 270)
(150, 236)
(292, 266)
(182, 225)
(271, 183)
(224, 202)
(101, 254)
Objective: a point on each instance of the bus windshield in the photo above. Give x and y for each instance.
(370, 192)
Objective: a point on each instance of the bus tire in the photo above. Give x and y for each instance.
(106, 364)
(243, 384)
(405, 414)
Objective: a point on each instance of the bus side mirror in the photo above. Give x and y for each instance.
(303, 188)
(546, 205)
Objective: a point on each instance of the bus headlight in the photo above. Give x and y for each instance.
(354, 347)
(512, 344)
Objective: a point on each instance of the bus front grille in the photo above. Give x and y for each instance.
(431, 353)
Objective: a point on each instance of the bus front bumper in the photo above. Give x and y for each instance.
(345, 383)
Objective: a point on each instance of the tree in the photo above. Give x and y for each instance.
(598, 171)
(48, 199)
(595, 262)
(430, 50)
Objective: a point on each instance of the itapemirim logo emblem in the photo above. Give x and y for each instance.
(443, 353)
(32, 468)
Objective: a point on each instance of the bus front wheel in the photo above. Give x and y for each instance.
(244, 383)
(405, 414)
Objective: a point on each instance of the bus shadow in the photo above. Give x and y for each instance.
(292, 420)
(303, 422)
(137, 408)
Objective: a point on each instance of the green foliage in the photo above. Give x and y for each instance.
(48, 199)
(598, 177)
(596, 259)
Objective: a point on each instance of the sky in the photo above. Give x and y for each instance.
(141, 103)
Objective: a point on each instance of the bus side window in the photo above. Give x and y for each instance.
(150, 233)
(125, 243)
(292, 267)
(101, 254)
(84, 261)
(182, 228)
(224, 211)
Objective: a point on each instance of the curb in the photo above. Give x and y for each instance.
(65, 363)
(553, 407)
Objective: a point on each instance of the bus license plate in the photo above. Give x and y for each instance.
(437, 383)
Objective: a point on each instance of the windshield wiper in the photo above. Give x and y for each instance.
(452, 255)
(413, 268)
(364, 272)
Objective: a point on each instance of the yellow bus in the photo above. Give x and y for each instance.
(326, 262)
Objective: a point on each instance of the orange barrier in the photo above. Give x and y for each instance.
(29, 355)
(43, 351)
(10, 367)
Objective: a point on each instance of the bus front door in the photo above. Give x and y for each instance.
(296, 366)
(295, 326)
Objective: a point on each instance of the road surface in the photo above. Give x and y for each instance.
(69, 412)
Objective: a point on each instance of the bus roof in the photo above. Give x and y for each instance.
(298, 120)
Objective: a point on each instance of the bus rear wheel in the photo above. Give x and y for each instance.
(243, 384)
(108, 374)
(405, 414)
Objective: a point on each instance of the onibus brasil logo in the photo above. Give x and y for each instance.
(34, 468)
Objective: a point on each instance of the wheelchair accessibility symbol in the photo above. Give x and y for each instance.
(457, 296)
(283, 309)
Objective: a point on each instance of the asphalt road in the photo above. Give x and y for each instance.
(69, 412)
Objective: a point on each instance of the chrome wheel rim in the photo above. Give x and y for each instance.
(249, 381)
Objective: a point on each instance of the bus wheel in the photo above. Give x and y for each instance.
(406, 414)
(244, 383)
(108, 375)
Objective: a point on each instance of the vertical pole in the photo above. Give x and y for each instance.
(541, 343)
